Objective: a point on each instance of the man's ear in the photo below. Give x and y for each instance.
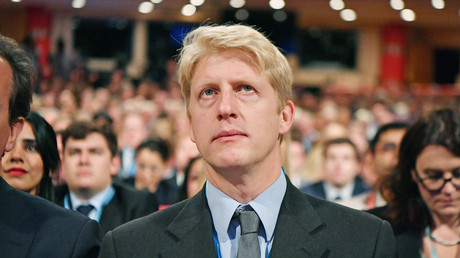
(14, 132)
(115, 165)
(286, 117)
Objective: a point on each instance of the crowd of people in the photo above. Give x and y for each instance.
(125, 150)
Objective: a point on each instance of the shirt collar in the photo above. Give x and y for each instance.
(97, 200)
(345, 192)
(266, 205)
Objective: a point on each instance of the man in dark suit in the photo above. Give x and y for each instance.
(237, 89)
(89, 162)
(29, 225)
(340, 168)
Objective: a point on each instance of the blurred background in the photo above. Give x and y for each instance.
(355, 43)
(358, 64)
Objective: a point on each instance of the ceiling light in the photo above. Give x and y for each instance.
(145, 7)
(348, 15)
(408, 15)
(279, 16)
(78, 3)
(16, 1)
(336, 5)
(156, 1)
(242, 14)
(237, 3)
(188, 10)
(397, 4)
(438, 4)
(197, 2)
(277, 4)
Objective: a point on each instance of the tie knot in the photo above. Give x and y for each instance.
(249, 220)
(85, 209)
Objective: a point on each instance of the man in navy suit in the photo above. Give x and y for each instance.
(29, 225)
(90, 161)
(237, 89)
(340, 168)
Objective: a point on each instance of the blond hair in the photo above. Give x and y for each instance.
(208, 39)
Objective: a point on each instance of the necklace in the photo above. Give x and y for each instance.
(440, 241)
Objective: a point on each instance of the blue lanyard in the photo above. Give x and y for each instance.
(107, 199)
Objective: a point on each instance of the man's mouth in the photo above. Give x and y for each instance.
(228, 134)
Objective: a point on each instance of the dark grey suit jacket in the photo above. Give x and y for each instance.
(31, 226)
(306, 227)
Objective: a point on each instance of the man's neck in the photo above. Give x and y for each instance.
(243, 184)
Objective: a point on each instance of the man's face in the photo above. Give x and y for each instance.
(8, 133)
(386, 151)
(340, 164)
(233, 112)
(88, 163)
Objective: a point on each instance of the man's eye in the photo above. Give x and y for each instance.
(208, 92)
(247, 88)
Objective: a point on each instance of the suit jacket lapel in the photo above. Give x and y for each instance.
(17, 226)
(193, 230)
(298, 231)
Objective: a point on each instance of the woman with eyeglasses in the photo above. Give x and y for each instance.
(423, 193)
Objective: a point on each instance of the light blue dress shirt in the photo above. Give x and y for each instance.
(266, 205)
(98, 201)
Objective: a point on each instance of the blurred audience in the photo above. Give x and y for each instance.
(381, 160)
(90, 161)
(153, 159)
(341, 163)
(194, 178)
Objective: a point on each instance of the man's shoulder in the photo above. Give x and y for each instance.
(131, 194)
(152, 226)
(47, 213)
(330, 210)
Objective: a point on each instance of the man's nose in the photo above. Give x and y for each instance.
(226, 105)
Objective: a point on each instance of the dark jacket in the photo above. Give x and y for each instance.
(127, 204)
(318, 190)
(31, 226)
(408, 240)
(306, 227)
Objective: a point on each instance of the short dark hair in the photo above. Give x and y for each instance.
(384, 128)
(405, 204)
(22, 69)
(336, 141)
(80, 130)
(45, 138)
(155, 144)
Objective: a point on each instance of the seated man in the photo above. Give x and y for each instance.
(383, 151)
(340, 168)
(89, 162)
(237, 90)
(31, 226)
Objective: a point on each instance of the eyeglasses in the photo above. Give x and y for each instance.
(435, 180)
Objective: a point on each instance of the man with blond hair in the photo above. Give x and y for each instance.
(237, 89)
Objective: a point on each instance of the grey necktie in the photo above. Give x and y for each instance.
(85, 209)
(248, 246)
